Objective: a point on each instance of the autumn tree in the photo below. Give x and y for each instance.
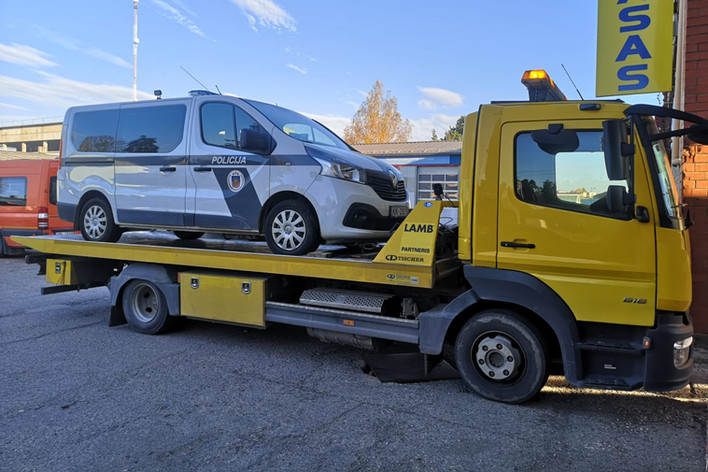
(378, 120)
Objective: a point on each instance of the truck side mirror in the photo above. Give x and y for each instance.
(255, 140)
(617, 199)
(617, 149)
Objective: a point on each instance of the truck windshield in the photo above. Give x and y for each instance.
(298, 126)
(666, 192)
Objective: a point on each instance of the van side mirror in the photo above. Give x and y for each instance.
(255, 140)
(617, 149)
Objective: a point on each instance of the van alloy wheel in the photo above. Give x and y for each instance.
(291, 228)
(96, 221)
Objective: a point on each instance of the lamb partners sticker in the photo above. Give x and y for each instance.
(235, 180)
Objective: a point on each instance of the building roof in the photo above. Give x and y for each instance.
(10, 155)
(420, 148)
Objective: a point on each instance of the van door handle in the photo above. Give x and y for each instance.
(518, 245)
(167, 169)
(202, 169)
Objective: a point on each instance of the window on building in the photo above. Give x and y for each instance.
(447, 176)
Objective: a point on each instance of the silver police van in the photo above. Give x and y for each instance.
(215, 163)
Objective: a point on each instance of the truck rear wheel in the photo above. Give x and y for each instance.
(145, 307)
(96, 222)
(291, 228)
(502, 356)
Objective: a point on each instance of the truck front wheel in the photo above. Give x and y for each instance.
(502, 356)
(145, 307)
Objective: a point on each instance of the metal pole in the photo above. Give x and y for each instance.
(135, 50)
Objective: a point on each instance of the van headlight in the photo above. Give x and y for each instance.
(333, 167)
(682, 351)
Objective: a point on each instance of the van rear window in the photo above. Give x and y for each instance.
(150, 129)
(13, 191)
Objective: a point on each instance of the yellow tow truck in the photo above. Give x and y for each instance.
(571, 250)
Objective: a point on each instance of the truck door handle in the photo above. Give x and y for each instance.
(519, 245)
(167, 169)
(202, 169)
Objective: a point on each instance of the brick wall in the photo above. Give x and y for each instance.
(695, 157)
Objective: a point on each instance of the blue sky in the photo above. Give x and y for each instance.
(440, 60)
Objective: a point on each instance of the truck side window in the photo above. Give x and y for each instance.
(95, 131)
(155, 129)
(575, 180)
(222, 124)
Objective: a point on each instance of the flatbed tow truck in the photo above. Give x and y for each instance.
(571, 248)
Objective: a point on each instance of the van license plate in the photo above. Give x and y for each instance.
(398, 211)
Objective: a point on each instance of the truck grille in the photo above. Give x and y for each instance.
(381, 183)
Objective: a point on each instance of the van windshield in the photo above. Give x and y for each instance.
(298, 126)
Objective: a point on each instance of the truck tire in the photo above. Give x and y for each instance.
(145, 307)
(188, 235)
(291, 228)
(96, 221)
(502, 356)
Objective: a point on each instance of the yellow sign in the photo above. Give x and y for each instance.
(413, 243)
(634, 46)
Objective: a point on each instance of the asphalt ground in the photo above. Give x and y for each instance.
(76, 395)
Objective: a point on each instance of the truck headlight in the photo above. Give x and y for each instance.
(682, 351)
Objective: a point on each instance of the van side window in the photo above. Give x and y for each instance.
(13, 191)
(218, 125)
(94, 131)
(222, 124)
(155, 129)
(571, 179)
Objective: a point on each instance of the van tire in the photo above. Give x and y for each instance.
(145, 307)
(96, 222)
(291, 228)
(188, 235)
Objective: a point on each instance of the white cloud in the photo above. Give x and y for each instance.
(74, 45)
(437, 97)
(266, 13)
(177, 16)
(56, 91)
(422, 129)
(24, 55)
(14, 107)
(296, 68)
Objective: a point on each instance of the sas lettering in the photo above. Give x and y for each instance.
(228, 160)
(418, 228)
(633, 77)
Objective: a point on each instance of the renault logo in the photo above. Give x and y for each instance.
(394, 179)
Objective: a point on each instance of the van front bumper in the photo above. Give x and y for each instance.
(362, 216)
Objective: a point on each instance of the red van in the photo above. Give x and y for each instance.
(28, 199)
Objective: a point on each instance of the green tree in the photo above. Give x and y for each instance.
(455, 132)
(378, 120)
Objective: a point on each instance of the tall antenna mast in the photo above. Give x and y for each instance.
(135, 50)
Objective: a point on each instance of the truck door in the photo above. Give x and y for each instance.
(229, 182)
(555, 223)
(150, 170)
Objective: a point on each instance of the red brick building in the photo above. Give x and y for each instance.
(695, 157)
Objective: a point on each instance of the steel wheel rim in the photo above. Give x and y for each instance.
(145, 303)
(496, 357)
(289, 230)
(95, 222)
